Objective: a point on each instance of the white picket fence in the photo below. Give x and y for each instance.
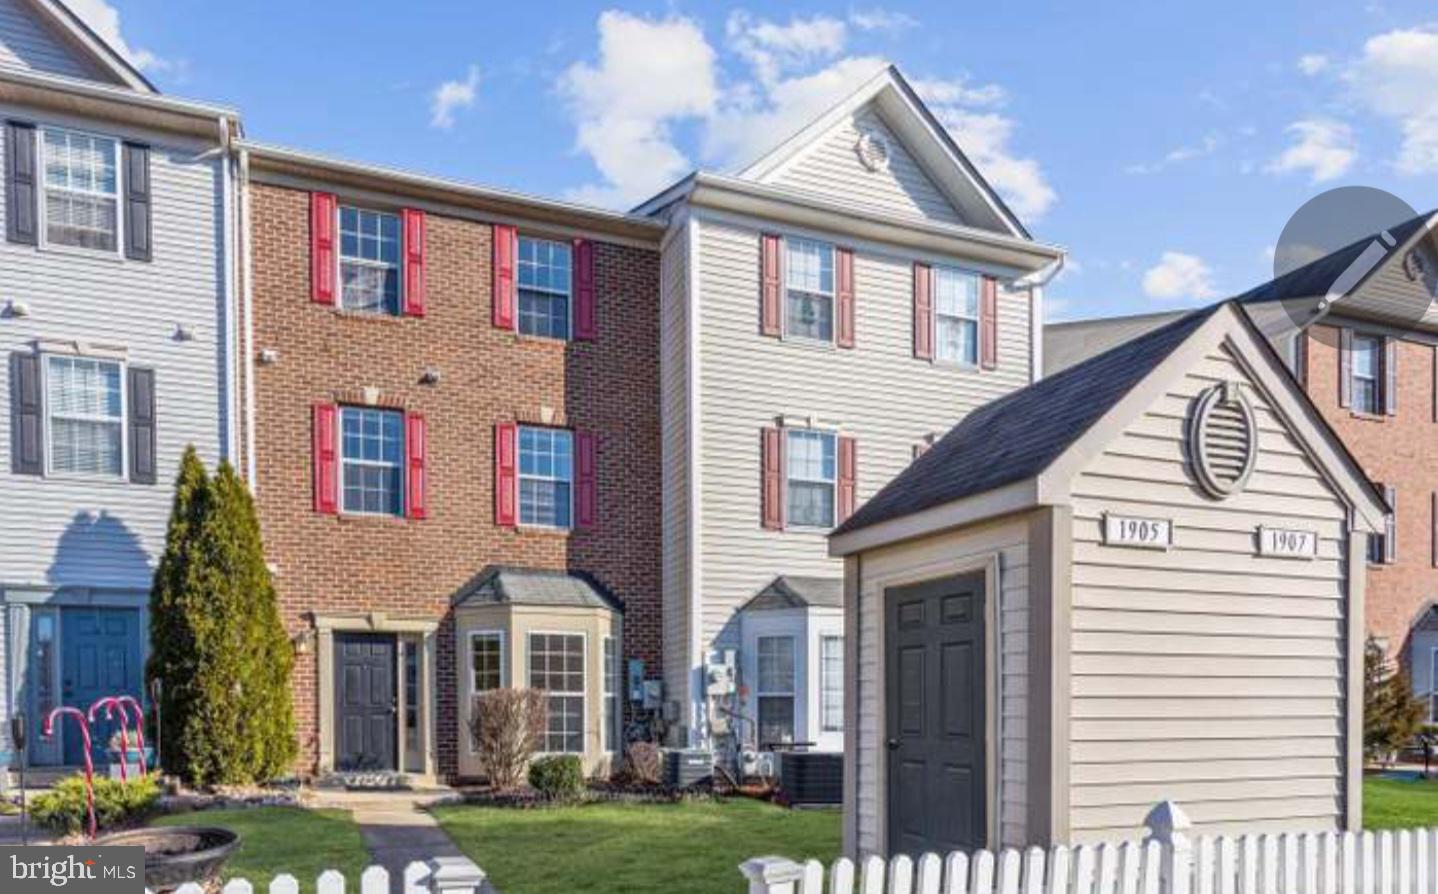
(442, 875)
(1168, 861)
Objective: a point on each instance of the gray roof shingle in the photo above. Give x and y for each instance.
(1016, 437)
(798, 591)
(508, 585)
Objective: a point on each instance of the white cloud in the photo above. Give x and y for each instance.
(1325, 148)
(1177, 276)
(651, 73)
(1209, 145)
(451, 96)
(878, 19)
(1395, 78)
(772, 49)
(104, 20)
(1313, 63)
(984, 136)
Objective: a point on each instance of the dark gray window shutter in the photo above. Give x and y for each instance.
(27, 415)
(142, 426)
(1345, 367)
(137, 202)
(21, 198)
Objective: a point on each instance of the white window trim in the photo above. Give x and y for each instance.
(1379, 359)
(978, 313)
(380, 265)
(519, 477)
(568, 293)
(583, 695)
(470, 691)
(1432, 683)
(760, 693)
(823, 638)
(340, 456)
(41, 217)
(833, 293)
(49, 465)
(833, 483)
(606, 693)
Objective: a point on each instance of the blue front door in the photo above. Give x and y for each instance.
(100, 655)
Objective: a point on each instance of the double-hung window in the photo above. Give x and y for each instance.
(369, 260)
(545, 281)
(1367, 368)
(556, 667)
(82, 190)
(811, 472)
(84, 401)
(956, 316)
(372, 456)
(831, 683)
(486, 661)
(611, 695)
(809, 289)
(546, 476)
(775, 689)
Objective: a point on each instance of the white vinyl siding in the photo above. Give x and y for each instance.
(674, 420)
(27, 43)
(1248, 733)
(831, 169)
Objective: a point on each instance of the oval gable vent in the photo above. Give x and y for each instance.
(1223, 439)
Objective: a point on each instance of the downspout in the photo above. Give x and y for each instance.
(1035, 283)
(228, 330)
(247, 300)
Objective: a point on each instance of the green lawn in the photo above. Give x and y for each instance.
(1399, 803)
(692, 847)
(273, 840)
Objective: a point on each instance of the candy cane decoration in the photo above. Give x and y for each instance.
(109, 703)
(48, 729)
(135, 706)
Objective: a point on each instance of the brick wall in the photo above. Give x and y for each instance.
(413, 568)
(1400, 451)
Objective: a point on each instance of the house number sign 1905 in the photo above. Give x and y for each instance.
(1287, 543)
(1145, 533)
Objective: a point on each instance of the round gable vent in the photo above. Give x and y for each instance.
(1223, 439)
(873, 150)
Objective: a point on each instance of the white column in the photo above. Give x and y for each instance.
(772, 875)
(455, 875)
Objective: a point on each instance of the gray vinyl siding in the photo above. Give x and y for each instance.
(876, 392)
(58, 532)
(1206, 674)
(831, 169)
(1392, 295)
(28, 44)
(930, 558)
(674, 422)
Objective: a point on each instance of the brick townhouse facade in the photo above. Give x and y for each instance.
(453, 361)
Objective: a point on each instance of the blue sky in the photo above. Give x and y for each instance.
(1164, 147)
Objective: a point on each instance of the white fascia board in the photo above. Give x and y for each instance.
(1000, 501)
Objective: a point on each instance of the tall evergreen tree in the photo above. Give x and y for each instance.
(220, 648)
(1392, 715)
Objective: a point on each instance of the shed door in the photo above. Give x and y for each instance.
(936, 710)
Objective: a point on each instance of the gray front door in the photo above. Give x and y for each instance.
(366, 701)
(936, 709)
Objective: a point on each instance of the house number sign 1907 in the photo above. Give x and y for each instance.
(1146, 533)
(1287, 543)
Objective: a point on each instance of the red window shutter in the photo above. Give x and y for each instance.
(772, 465)
(586, 481)
(414, 282)
(848, 469)
(506, 244)
(506, 474)
(923, 312)
(322, 247)
(325, 460)
(989, 323)
(769, 321)
(583, 276)
(844, 282)
(416, 473)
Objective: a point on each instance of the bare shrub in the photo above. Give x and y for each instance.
(645, 763)
(507, 726)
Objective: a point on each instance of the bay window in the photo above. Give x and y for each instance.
(556, 667)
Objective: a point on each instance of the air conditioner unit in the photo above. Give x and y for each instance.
(757, 763)
(687, 767)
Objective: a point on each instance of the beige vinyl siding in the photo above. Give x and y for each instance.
(831, 169)
(674, 423)
(67, 532)
(28, 44)
(929, 558)
(876, 392)
(1390, 294)
(1206, 674)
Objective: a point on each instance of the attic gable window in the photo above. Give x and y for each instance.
(809, 289)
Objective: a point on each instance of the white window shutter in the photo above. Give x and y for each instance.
(1390, 376)
(1345, 367)
(1390, 525)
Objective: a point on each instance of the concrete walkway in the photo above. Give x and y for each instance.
(397, 828)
